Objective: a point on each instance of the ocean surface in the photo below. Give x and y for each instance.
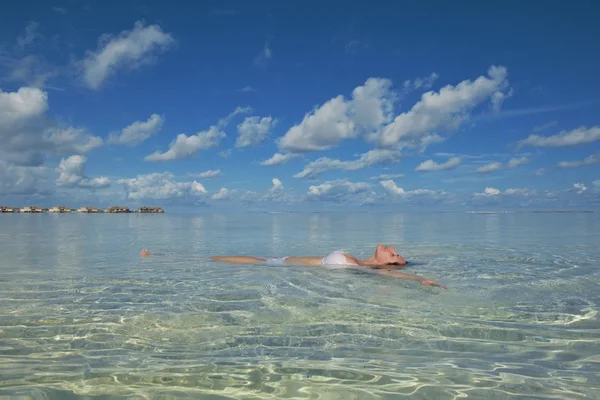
(83, 315)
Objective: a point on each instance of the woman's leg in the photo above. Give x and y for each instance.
(238, 259)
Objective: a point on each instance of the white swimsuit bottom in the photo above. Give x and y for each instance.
(335, 259)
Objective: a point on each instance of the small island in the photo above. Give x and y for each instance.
(83, 210)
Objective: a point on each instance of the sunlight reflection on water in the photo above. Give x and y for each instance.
(82, 314)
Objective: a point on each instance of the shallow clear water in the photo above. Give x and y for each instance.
(81, 314)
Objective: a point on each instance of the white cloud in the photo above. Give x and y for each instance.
(207, 174)
(129, 49)
(264, 56)
(391, 187)
(494, 166)
(539, 172)
(394, 189)
(498, 99)
(323, 128)
(372, 157)
(29, 36)
(490, 191)
(386, 176)
(420, 83)
(33, 70)
(187, 146)
(596, 183)
(160, 186)
(27, 135)
(493, 192)
(589, 160)
(22, 105)
(277, 186)
(137, 132)
(222, 194)
(72, 174)
(579, 187)
(430, 165)
(253, 130)
(520, 192)
(515, 162)
(279, 158)
(337, 188)
(247, 89)
(223, 122)
(20, 180)
(575, 137)
(539, 128)
(440, 111)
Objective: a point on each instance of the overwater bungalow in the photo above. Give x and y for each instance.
(32, 209)
(88, 210)
(150, 210)
(117, 210)
(60, 209)
(7, 209)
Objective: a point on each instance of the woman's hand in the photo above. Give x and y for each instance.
(429, 282)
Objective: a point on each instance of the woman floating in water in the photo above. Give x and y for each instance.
(384, 261)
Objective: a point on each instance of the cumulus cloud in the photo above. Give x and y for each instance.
(187, 146)
(394, 189)
(589, 160)
(222, 194)
(372, 157)
(72, 174)
(596, 183)
(127, 50)
(575, 137)
(386, 177)
(27, 135)
(137, 132)
(254, 130)
(19, 180)
(277, 186)
(430, 165)
(492, 192)
(239, 110)
(279, 158)
(539, 172)
(207, 174)
(498, 99)
(420, 83)
(160, 186)
(323, 128)
(494, 166)
(338, 190)
(579, 187)
(515, 162)
(442, 111)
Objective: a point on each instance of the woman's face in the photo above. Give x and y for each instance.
(388, 255)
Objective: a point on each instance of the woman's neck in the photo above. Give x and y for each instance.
(371, 261)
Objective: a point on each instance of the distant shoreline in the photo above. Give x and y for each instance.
(80, 210)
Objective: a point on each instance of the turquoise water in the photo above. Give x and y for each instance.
(82, 315)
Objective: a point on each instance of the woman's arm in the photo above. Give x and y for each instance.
(402, 275)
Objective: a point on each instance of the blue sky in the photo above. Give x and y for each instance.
(301, 106)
